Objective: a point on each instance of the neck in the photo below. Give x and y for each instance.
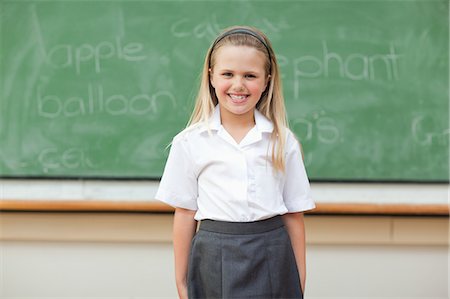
(245, 120)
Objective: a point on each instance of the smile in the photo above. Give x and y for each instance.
(238, 98)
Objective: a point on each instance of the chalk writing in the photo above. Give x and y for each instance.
(371, 67)
(191, 28)
(88, 55)
(274, 26)
(209, 28)
(322, 127)
(72, 158)
(424, 132)
(95, 101)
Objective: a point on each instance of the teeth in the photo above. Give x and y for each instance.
(237, 97)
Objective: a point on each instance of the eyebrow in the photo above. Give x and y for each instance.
(231, 71)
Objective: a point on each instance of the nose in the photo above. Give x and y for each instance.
(238, 83)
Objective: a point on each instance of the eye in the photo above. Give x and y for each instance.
(251, 76)
(227, 74)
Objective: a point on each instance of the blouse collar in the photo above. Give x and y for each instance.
(263, 124)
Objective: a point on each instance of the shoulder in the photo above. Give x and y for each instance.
(292, 143)
(182, 144)
(290, 138)
(188, 134)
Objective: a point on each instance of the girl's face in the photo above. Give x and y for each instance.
(239, 78)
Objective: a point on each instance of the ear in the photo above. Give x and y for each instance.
(211, 79)
(267, 81)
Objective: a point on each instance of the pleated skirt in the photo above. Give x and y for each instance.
(242, 260)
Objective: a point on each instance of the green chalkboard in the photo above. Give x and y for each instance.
(97, 89)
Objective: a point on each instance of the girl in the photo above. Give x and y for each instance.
(238, 170)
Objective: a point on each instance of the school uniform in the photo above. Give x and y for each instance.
(242, 249)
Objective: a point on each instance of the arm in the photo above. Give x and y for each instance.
(296, 229)
(184, 226)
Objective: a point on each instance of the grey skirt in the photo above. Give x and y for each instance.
(242, 260)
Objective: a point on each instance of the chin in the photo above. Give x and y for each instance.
(239, 110)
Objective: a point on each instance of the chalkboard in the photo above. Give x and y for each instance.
(97, 89)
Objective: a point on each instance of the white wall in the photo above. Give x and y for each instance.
(120, 255)
(144, 270)
(371, 271)
(99, 255)
(86, 270)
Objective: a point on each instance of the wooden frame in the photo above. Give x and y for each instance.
(157, 207)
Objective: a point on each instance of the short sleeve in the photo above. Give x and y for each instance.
(178, 186)
(296, 191)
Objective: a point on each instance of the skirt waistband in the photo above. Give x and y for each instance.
(241, 228)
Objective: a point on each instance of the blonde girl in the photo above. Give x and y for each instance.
(237, 171)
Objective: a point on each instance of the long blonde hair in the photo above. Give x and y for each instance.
(271, 103)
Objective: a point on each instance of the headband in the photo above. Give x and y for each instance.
(244, 31)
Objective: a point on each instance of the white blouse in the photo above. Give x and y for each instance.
(222, 180)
